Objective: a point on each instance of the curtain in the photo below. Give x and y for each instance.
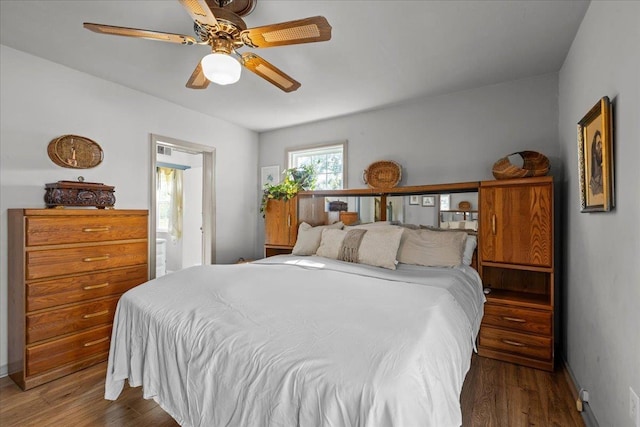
(171, 180)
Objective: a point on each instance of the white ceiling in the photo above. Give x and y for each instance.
(380, 53)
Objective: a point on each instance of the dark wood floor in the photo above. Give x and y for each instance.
(495, 394)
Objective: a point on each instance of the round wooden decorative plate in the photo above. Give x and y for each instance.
(76, 152)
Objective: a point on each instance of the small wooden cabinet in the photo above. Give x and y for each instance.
(280, 226)
(67, 270)
(516, 250)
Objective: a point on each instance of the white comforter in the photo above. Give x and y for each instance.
(300, 342)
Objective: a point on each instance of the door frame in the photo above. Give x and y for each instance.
(208, 196)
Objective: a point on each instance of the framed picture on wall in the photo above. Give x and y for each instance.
(270, 175)
(428, 201)
(595, 158)
(414, 200)
(445, 202)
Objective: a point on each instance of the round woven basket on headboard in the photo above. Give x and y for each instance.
(535, 164)
(383, 174)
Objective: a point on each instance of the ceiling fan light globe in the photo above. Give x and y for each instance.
(221, 68)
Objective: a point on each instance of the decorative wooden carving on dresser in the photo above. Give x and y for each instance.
(78, 193)
(67, 270)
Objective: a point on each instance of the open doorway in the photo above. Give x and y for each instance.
(182, 210)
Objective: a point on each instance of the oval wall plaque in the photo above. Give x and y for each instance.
(76, 152)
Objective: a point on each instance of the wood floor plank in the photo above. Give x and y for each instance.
(495, 394)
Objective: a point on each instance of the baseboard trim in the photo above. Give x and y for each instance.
(587, 414)
(4, 371)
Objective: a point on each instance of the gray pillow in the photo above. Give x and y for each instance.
(432, 248)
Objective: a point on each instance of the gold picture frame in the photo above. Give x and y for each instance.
(595, 158)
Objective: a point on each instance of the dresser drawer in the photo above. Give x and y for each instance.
(514, 342)
(74, 348)
(83, 229)
(56, 262)
(517, 318)
(69, 290)
(50, 324)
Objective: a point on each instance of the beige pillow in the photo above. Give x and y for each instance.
(309, 237)
(330, 242)
(378, 247)
(432, 248)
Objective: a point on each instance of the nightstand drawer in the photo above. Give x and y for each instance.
(50, 324)
(53, 354)
(55, 262)
(517, 318)
(67, 290)
(513, 342)
(83, 229)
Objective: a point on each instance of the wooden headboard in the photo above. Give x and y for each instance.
(311, 204)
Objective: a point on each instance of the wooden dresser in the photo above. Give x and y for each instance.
(67, 269)
(516, 250)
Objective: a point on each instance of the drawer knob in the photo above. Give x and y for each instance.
(96, 314)
(96, 258)
(514, 343)
(101, 285)
(514, 319)
(95, 229)
(90, 343)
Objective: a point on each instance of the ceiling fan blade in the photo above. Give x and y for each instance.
(308, 30)
(136, 32)
(269, 72)
(200, 11)
(197, 79)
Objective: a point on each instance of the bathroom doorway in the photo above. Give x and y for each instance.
(182, 207)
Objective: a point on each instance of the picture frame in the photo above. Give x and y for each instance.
(445, 202)
(270, 175)
(428, 201)
(595, 158)
(414, 200)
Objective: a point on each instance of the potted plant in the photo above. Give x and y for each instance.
(294, 179)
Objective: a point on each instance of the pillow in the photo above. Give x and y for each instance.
(309, 237)
(379, 247)
(330, 242)
(372, 246)
(432, 248)
(470, 244)
(469, 247)
(409, 226)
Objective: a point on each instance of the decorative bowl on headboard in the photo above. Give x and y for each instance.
(534, 164)
(383, 174)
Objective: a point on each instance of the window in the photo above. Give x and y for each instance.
(169, 201)
(329, 160)
(163, 198)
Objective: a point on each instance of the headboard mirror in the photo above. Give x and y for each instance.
(450, 210)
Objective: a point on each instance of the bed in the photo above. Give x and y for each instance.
(300, 341)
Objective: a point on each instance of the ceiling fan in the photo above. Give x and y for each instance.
(218, 24)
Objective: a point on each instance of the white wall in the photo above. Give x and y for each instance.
(450, 138)
(602, 250)
(42, 100)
